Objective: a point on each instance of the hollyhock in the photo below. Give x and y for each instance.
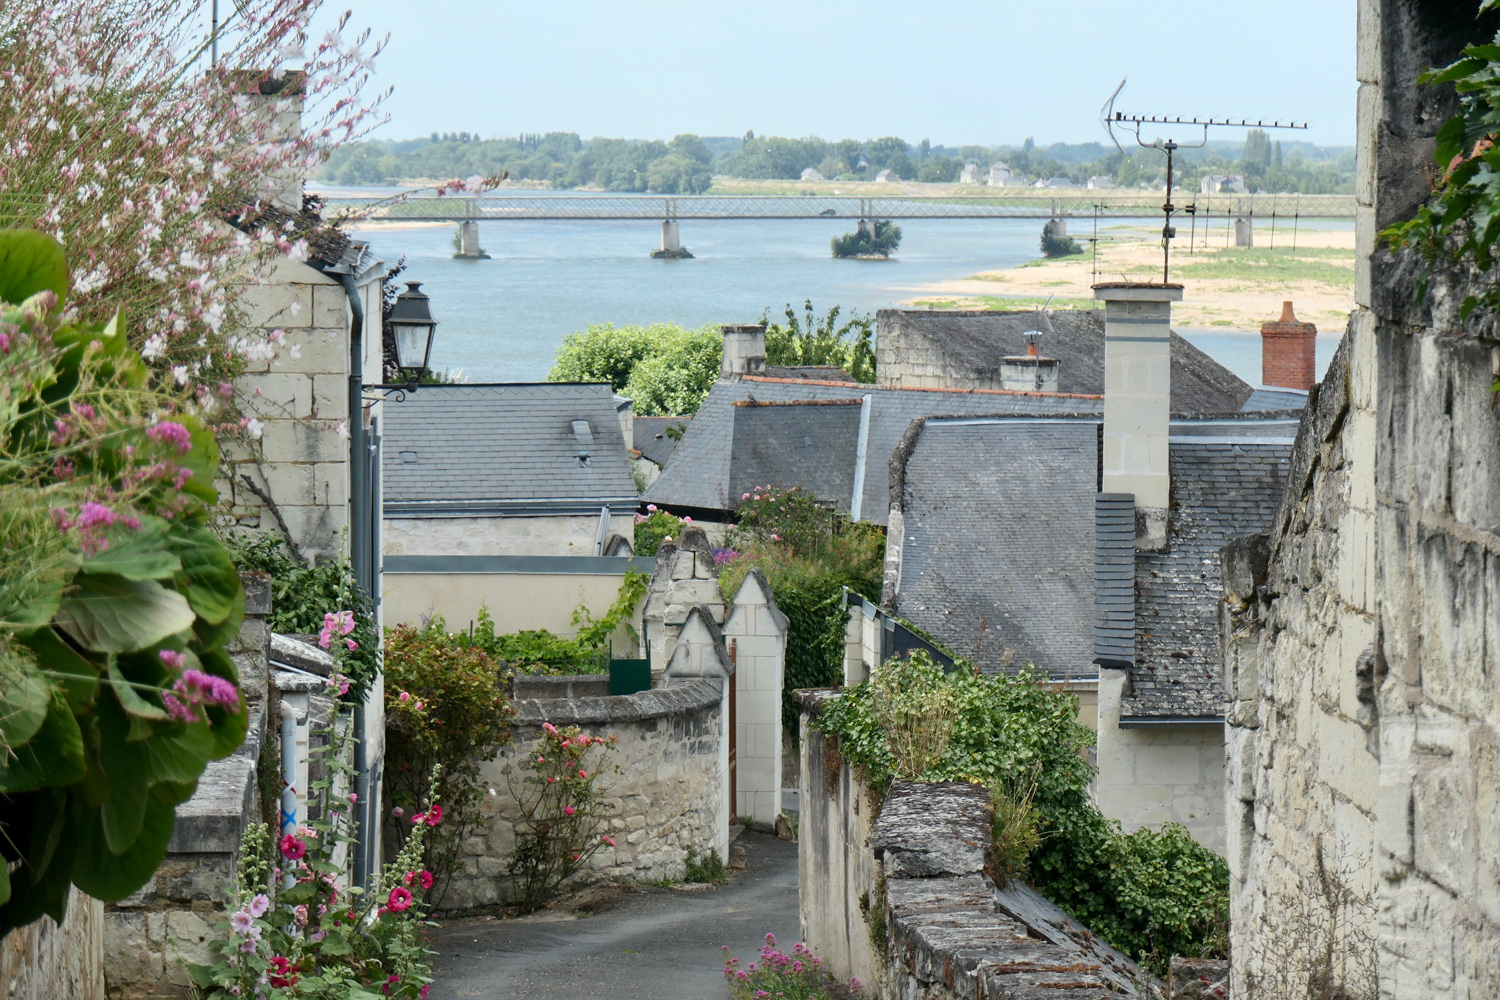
(399, 899)
(292, 848)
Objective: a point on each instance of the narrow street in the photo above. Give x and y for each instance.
(648, 944)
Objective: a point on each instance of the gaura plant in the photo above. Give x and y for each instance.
(116, 600)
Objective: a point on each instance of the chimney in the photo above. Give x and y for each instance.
(744, 351)
(1029, 372)
(1138, 401)
(1288, 352)
(276, 102)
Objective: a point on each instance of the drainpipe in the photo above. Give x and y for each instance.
(360, 558)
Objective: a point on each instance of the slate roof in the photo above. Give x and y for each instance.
(701, 474)
(809, 443)
(472, 449)
(976, 340)
(824, 373)
(1222, 488)
(651, 438)
(998, 547)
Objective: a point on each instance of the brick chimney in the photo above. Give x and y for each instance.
(1138, 401)
(744, 351)
(1288, 352)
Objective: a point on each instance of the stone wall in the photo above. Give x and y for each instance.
(46, 960)
(664, 802)
(1360, 643)
(906, 358)
(1159, 773)
(895, 893)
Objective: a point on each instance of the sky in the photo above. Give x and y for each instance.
(992, 72)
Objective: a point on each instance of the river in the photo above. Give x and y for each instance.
(501, 320)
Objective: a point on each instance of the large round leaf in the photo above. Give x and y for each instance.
(137, 555)
(24, 696)
(106, 875)
(111, 614)
(31, 262)
(53, 756)
(208, 575)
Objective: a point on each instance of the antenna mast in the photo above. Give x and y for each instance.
(1109, 117)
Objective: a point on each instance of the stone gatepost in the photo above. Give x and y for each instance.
(685, 577)
(755, 634)
(700, 654)
(1244, 232)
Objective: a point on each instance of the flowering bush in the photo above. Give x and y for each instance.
(562, 810)
(298, 927)
(654, 527)
(116, 599)
(445, 707)
(798, 976)
(121, 140)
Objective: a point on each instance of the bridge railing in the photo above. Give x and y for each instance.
(1023, 205)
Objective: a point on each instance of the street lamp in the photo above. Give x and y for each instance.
(412, 327)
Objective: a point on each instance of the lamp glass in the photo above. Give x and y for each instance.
(413, 340)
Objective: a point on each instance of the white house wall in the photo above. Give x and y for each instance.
(500, 536)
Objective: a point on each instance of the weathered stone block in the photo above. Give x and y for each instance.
(271, 395)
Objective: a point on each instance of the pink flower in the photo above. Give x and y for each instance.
(172, 659)
(423, 991)
(399, 899)
(687, 520)
(172, 433)
(353, 798)
(651, 507)
(352, 646)
(549, 727)
(292, 848)
(608, 840)
(419, 819)
(568, 810)
(259, 905)
(424, 879)
(403, 696)
(434, 815)
(282, 975)
(744, 496)
(583, 774)
(398, 812)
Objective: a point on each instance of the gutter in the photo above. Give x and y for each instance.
(1151, 721)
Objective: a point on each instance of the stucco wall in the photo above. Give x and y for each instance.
(50, 961)
(1158, 774)
(515, 600)
(498, 536)
(665, 800)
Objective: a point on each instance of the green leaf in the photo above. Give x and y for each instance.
(76, 677)
(207, 576)
(4, 884)
(124, 762)
(53, 756)
(140, 555)
(31, 262)
(114, 615)
(109, 875)
(131, 698)
(178, 754)
(24, 697)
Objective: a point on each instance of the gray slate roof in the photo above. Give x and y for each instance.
(972, 343)
(651, 438)
(1222, 489)
(701, 471)
(998, 548)
(487, 448)
(812, 444)
(825, 373)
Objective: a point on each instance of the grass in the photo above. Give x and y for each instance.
(709, 869)
(1326, 265)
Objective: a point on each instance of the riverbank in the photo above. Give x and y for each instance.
(1223, 287)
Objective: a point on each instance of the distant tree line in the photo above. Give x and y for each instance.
(688, 163)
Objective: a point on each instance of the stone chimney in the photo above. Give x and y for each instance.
(277, 100)
(1288, 352)
(744, 351)
(1138, 401)
(1029, 372)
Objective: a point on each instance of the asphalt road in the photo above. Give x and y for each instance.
(648, 944)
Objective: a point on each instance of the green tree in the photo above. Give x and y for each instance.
(692, 147)
(813, 340)
(677, 174)
(1256, 158)
(863, 243)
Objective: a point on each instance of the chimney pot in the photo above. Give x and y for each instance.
(1289, 351)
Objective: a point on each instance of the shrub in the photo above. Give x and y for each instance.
(1150, 894)
(655, 527)
(116, 599)
(445, 708)
(809, 554)
(562, 810)
(861, 243)
(538, 651)
(1058, 246)
(798, 976)
(708, 869)
(1015, 829)
(814, 340)
(914, 711)
(301, 595)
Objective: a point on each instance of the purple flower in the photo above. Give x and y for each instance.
(173, 659)
(172, 433)
(259, 905)
(241, 921)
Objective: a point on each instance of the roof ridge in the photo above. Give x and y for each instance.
(922, 388)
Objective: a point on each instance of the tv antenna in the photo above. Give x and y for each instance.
(1033, 340)
(1110, 118)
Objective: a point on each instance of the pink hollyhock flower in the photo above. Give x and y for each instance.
(424, 879)
(434, 815)
(292, 847)
(353, 798)
(419, 819)
(240, 921)
(399, 899)
(403, 696)
(423, 991)
(259, 905)
(281, 973)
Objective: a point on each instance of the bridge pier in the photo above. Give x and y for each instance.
(1244, 232)
(671, 243)
(468, 242)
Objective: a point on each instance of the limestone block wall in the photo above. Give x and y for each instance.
(664, 802)
(685, 577)
(906, 357)
(1158, 774)
(301, 398)
(1360, 639)
(46, 960)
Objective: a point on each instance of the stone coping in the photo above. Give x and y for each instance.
(953, 932)
(213, 820)
(301, 652)
(553, 686)
(679, 699)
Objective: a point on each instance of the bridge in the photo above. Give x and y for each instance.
(1023, 205)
